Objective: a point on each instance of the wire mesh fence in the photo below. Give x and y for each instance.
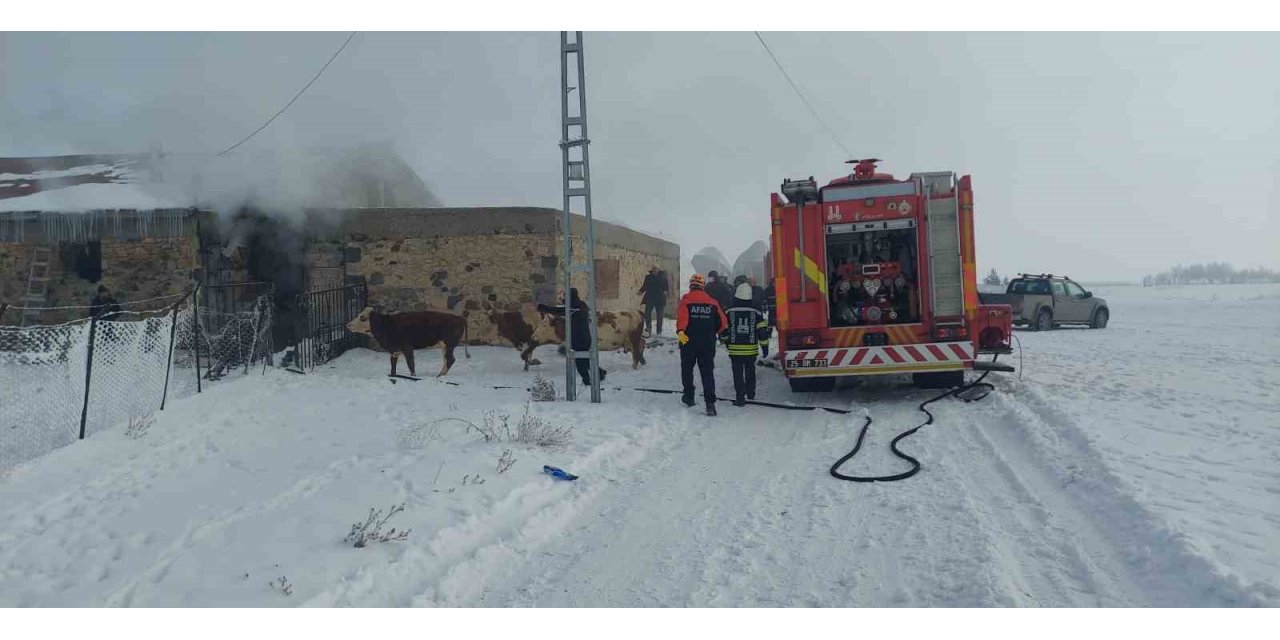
(42, 378)
(228, 330)
(59, 383)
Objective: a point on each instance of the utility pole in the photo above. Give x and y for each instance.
(577, 184)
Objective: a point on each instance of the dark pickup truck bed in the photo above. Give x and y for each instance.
(996, 298)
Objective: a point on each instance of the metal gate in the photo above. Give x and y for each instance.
(324, 315)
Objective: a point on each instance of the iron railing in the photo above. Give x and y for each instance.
(323, 316)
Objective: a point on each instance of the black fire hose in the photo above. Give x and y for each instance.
(893, 445)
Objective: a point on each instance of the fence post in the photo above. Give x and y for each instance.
(195, 331)
(88, 375)
(168, 365)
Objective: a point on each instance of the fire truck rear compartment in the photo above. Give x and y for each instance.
(873, 268)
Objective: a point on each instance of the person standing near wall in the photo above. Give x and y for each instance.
(699, 320)
(654, 290)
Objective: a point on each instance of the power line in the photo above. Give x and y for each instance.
(832, 133)
(295, 98)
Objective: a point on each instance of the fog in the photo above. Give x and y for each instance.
(1103, 156)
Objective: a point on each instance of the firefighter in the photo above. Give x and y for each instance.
(654, 289)
(579, 332)
(747, 332)
(699, 321)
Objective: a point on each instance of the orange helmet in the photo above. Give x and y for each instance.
(697, 281)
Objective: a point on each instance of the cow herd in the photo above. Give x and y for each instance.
(525, 329)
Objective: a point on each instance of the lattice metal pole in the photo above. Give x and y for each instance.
(577, 184)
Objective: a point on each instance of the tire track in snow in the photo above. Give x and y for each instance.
(671, 538)
(124, 595)
(461, 560)
(1159, 561)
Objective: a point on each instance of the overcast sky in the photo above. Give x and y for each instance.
(1104, 156)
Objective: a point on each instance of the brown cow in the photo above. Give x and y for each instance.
(526, 329)
(403, 332)
(614, 330)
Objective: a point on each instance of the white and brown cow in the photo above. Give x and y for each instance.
(614, 330)
(528, 329)
(401, 333)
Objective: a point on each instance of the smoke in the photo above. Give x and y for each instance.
(194, 94)
(286, 183)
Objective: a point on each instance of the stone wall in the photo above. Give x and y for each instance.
(633, 267)
(470, 261)
(467, 275)
(132, 269)
(635, 252)
(14, 263)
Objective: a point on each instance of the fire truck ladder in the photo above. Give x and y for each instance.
(37, 283)
(947, 281)
(577, 184)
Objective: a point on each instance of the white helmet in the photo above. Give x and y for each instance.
(743, 292)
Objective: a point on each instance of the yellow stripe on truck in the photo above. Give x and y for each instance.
(812, 271)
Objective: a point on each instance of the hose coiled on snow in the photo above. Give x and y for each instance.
(893, 445)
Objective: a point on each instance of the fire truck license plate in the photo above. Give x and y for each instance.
(796, 364)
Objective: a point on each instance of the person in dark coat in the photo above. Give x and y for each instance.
(103, 306)
(771, 303)
(719, 290)
(699, 322)
(654, 289)
(579, 332)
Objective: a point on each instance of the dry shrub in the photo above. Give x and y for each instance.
(371, 529)
(543, 390)
(529, 430)
(282, 585)
(505, 462)
(138, 426)
(420, 435)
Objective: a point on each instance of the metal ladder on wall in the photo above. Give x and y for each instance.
(577, 184)
(37, 283)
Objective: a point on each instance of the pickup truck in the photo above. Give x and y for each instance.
(1046, 301)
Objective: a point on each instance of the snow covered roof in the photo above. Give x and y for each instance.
(79, 183)
(92, 197)
(21, 177)
(369, 175)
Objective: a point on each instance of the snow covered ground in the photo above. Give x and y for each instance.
(1129, 466)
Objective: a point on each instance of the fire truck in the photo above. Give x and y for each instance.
(876, 275)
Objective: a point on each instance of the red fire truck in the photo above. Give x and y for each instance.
(876, 275)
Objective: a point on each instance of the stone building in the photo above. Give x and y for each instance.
(69, 224)
(463, 260)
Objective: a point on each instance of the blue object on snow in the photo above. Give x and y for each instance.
(556, 472)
